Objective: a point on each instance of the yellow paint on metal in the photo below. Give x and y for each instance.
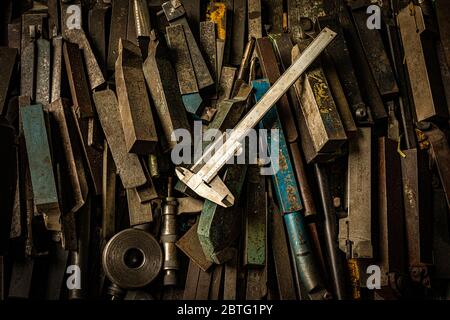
(217, 12)
(353, 268)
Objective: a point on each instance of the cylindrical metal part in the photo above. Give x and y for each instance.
(303, 256)
(132, 259)
(168, 239)
(245, 63)
(153, 166)
(337, 271)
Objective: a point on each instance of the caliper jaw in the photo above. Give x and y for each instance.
(216, 190)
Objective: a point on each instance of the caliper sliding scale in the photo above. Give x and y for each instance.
(202, 177)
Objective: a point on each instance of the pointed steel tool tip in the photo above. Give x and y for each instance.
(216, 191)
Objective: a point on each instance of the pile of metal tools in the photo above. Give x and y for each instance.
(327, 176)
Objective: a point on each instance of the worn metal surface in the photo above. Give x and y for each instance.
(421, 62)
(162, 82)
(216, 282)
(128, 166)
(77, 80)
(190, 288)
(190, 245)
(21, 274)
(254, 19)
(8, 58)
(331, 233)
(390, 211)
(226, 82)
(244, 67)
(40, 163)
(118, 30)
(132, 258)
(134, 105)
(184, 68)
(339, 97)
(271, 71)
(375, 51)
(14, 35)
(238, 31)
(355, 231)
(217, 12)
(280, 249)
(139, 212)
(416, 188)
(441, 237)
(97, 32)
(363, 73)
(441, 156)
(73, 155)
(273, 15)
(27, 67)
(339, 53)
(442, 8)
(218, 227)
(141, 18)
(177, 16)
(318, 107)
(208, 45)
(57, 63)
(231, 277)
(203, 285)
(255, 219)
(93, 70)
(284, 179)
(108, 195)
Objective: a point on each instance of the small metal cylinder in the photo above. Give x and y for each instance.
(168, 239)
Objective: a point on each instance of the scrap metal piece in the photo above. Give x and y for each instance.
(231, 277)
(244, 67)
(238, 31)
(117, 31)
(190, 288)
(141, 18)
(418, 220)
(377, 58)
(271, 71)
(331, 233)
(57, 43)
(8, 58)
(217, 12)
(218, 227)
(27, 66)
(97, 32)
(320, 111)
(280, 251)
(66, 129)
(202, 177)
(422, 65)
(162, 82)
(390, 212)
(139, 212)
(185, 70)
(339, 53)
(134, 105)
(108, 195)
(254, 19)
(132, 259)
(442, 8)
(255, 219)
(93, 70)
(40, 163)
(77, 80)
(226, 83)
(176, 15)
(355, 237)
(208, 43)
(441, 156)
(128, 165)
(190, 245)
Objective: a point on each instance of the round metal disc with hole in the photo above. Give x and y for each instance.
(132, 258)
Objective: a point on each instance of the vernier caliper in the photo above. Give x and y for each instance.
(202, 176)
